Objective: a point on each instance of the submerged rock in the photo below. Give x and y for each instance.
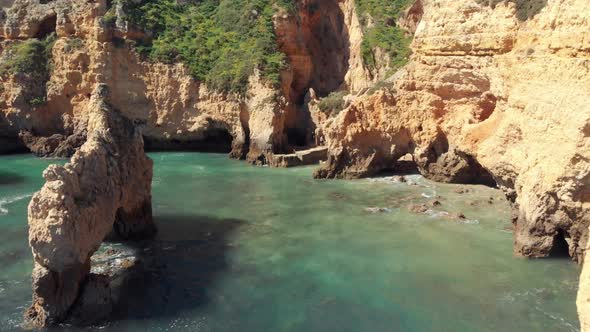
(418, 208)
(377, 209)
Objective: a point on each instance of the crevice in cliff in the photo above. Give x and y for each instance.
(443, 162)
(47, 27)
(560, 248)
(217, 140)
(316, 42)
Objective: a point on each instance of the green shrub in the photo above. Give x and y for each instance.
(221, 41)
(525, 9)
(31, 57)
(384, 33)
(379, 86)
(109, 19)
(73, 44)
(333, 103)
(37, 101)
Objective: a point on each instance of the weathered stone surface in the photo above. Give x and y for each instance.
(177, 111)
(105, 188)
(487, 95)
(311, 156)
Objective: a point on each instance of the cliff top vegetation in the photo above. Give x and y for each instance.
(221, 41)
(379, 19)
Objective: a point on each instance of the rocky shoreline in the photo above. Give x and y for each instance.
(493, 94)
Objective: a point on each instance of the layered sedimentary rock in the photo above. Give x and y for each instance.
(104, 190)
(178, 112)
(493, 91)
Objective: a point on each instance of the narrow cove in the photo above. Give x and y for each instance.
(242, 248)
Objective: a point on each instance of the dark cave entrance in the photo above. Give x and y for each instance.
(560, 247)
(47, 27)
(216, 140)
(317, 44)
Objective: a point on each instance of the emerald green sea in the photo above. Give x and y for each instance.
(245, 248)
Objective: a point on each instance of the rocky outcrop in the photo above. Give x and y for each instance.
(177, 111)
(489, 93)
(311, 156)
(583, 301)
(104, 190)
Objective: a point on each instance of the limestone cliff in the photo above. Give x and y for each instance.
(105, 189)
(490, 95)
(583, 301)
(495, 93)
(178, 111)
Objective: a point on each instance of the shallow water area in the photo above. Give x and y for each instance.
(243, 248)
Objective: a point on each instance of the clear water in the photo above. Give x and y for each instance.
(259, 249)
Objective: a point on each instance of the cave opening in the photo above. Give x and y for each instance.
(215, 140)
(317, 44)
(47, 27)
(560, 248)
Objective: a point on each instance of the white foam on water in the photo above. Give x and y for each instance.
(377, 209)
(469, 222)
(436, 214)
(559, 319)
(10, 200)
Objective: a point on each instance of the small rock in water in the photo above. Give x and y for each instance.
(338, 196)
(435, 203)
(399, 178)
(377, 209)
(461, 190)
(418, 208)
(459, 215)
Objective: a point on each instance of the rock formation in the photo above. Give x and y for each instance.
(583, 301)
(495, 93)
(178, 112)
(105, 189)
(489, 96)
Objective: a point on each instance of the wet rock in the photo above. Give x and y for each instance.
(94, 303)
(418, 208)
(461, 190)
(300, 158)
(458, 215)
(399, 178)
(377, 210)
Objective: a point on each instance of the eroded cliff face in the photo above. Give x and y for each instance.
(178, 112)
(322, 41)
(495, 93)
(491, 92)
(104, 189)
(583, 300)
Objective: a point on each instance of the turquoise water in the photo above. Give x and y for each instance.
(242, 248)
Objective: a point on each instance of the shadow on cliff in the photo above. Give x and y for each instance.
(525, 9)
(177, 268)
